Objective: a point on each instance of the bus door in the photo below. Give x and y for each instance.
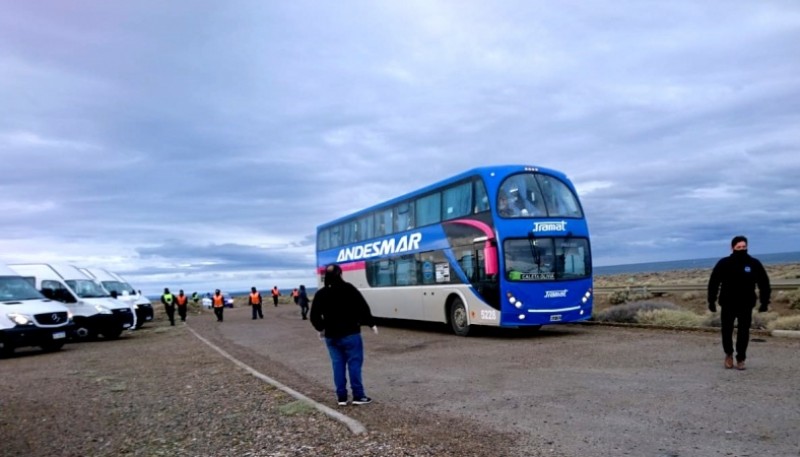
(435, 272)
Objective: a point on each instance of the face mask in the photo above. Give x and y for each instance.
(742, 253)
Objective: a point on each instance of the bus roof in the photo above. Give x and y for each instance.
(502, 170)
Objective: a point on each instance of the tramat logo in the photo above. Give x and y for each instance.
(378, 248)
(555, 293)
(560, 226)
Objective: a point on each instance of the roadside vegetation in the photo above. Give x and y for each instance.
(635, 305)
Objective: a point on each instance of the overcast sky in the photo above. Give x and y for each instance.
(198, 144)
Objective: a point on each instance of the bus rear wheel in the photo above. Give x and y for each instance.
(459, 320)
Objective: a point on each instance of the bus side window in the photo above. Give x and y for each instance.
(428, 209)
(481, 197)
(366, 228)
(404, 217)
(457, 201)
(383, 222)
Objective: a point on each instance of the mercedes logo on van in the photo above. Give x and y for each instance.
(55, 317)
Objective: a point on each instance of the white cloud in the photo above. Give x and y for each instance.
(237, 133)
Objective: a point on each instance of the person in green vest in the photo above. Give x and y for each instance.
(169, 305)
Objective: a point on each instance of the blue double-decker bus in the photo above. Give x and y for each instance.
(503, 246)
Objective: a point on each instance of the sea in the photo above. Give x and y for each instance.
(690, 264)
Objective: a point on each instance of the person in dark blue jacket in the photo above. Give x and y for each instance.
(337, 312)
(302, 301)
(735, 278)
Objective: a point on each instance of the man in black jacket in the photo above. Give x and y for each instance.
(337, 312)
(738, 275)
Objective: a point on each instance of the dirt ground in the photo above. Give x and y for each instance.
(568, 391)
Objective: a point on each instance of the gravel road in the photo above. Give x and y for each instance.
(567, 391)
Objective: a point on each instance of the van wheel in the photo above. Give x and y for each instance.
(112, 334)
(52, 347)
(6, 351)
(459, 320)
(82, 331)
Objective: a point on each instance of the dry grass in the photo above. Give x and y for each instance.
(688, 307)
(785, 323)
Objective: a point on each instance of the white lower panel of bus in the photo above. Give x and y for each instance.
(428, 303)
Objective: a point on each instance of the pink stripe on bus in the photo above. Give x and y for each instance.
(489, 251)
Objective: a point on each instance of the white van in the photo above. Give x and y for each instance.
(94, 311)
(29, 319)
(112, 294)
(141, 301)
(115, 285)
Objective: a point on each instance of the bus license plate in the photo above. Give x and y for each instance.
(555, 318)
(59, 335)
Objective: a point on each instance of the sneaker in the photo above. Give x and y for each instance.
(342, 402)
(740, 365)
(362, 401)
(729, 361)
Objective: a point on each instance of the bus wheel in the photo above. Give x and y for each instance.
(458, 318)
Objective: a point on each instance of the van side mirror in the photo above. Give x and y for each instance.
(49, 293)
(64, 296)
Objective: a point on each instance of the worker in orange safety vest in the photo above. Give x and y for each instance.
(182, 300)
(218, 302)
(275, 294)
(255, 302)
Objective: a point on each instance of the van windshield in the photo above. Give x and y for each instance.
(13, 288)
(114, 286)
(86, 288)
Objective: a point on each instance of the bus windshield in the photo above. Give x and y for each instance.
(535, 195)
(546, 259)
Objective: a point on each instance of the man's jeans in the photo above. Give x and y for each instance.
(347, 356)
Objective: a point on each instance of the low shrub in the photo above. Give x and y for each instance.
(780, 297)
(690, 296)
(626, 313)
(794, 299)
(670, 318)
(785, 323)
(761, 320)
(619, 297)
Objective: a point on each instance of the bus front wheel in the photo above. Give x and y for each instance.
(459, 320)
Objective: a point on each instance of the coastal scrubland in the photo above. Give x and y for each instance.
(624, 298)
